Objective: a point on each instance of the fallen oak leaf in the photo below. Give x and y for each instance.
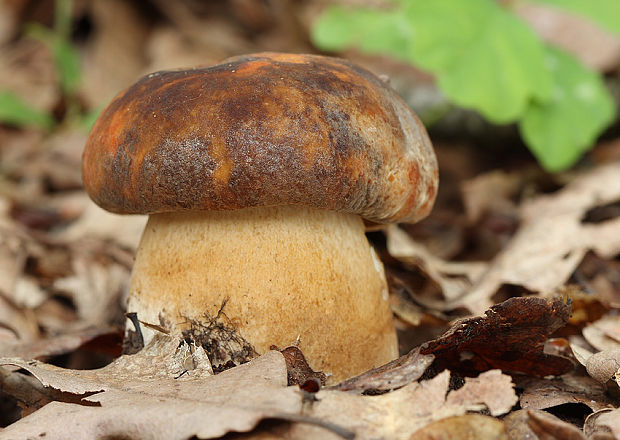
(400, 413)
(165, 391)
(391, 376)
(552, 239)
(468, 427)
(492, 388)
(509, 337)
(546, 249)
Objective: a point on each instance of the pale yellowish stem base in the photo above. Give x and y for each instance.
(284, 274)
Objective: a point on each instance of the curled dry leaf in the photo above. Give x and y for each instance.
(604, 424)
(453, 278)
(510, 337)
(165, 391)
(467, 427)
(51, 346)
(604, 334)
(552, 239)
(549, 427)
(570, 388)
(536, 424)
(391, 376)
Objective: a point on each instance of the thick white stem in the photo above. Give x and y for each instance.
(259, 277)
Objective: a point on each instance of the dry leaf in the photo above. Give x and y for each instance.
(397, 414)
(549, 245)
(490, 192)
(165, 391)
(535, 424)
(468, 427)
(510, 337)
(605, 423)
(492, 388)
(604, 334)
(604, 365)
(453, 278)
(51, 346)
(391, 376)
(552, 239)
(549, 427)
(570, 388)
(125, 230)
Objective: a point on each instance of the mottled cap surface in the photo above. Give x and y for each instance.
(266, 129)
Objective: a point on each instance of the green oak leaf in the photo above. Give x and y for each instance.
(559, 130)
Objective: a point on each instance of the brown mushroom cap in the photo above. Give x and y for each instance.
(266, 129)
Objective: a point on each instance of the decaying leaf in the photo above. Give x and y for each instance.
(467, 427)
(510, 337)
(165, 391)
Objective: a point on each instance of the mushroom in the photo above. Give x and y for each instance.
(257, 174)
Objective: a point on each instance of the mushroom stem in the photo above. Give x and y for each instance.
(242, 281)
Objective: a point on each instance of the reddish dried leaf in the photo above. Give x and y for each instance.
(510, 337)
(298, 370)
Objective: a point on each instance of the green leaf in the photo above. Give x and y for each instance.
(484, 57)
(443, 30)
(14, 111)
(604, 12)
(561, 129)
(372, 31)
(65, 55)
(67, 64)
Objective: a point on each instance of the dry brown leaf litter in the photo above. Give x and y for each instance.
(168, 391)
(547, 248)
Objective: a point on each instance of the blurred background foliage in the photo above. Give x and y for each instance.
(486, 58)
(489, 57)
